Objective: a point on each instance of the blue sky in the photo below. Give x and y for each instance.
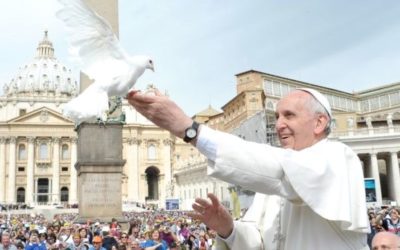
(199, 46)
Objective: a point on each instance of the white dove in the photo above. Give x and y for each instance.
(103, 59)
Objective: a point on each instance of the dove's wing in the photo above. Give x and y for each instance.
(88, 106)
(92, 36)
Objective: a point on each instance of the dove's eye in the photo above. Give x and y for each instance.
(150, 61)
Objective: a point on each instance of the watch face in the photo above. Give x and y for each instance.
(191, 133)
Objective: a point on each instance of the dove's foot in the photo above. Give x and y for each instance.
(101, 123)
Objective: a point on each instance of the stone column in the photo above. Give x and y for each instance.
(167, 166)
(30, 171)
(375, 175)
(99, 165)
(56, 170)
(133, 169)
(395, 177)
(73, 193)
(2, 169)
(35, 197)
(11, 171)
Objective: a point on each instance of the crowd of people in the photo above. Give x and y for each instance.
(383, 219)
(153, 229)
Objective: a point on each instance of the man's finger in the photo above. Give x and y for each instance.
(195, 216)
(139, 97)
(202, 202)
(198, 208)
(214, 200)
(133, 92)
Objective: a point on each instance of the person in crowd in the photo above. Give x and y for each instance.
(135, 245)
(310, 190)
(124, 240)
(86, 234)
(209, 239)
(176, 227)
(65, 236)
(52, 243)
(5, 243)
(203, 244)
(108, 241)
(167, 235)
(20, 245)
(155, 242)
(20, 234)
(97, 243)
(43, 237)
(192, 243)
(184, 233)
(34, 243)
(78, 244)
(390, 223)
(133, 230)
(385, 241)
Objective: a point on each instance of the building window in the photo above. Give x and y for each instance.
(64, 194)
(65, 152)
(21, 152)
(394, 98)
(20, 195)
(268, 87)
(270, 106)
(43, 151)
(64, 169)
(151, 152)
(21, 169)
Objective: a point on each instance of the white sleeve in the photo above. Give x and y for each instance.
(253, 166)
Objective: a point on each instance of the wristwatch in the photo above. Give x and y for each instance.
(191, 132)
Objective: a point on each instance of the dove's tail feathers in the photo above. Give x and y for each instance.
(88, 106)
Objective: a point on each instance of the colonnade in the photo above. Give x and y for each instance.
(383, 167)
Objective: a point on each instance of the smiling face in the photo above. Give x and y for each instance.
(155, 235)
(297, 124)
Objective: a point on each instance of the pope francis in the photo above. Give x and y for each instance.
(310, 190)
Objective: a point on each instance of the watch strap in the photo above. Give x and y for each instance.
(194, 126)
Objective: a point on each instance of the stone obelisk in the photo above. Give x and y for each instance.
(99, 160)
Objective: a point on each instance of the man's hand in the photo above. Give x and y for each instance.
(213, 214)
(163, 112)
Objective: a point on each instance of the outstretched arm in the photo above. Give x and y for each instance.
(162, 111)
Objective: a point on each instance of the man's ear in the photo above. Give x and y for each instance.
(321, 124)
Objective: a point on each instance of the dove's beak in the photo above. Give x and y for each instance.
(152, 68)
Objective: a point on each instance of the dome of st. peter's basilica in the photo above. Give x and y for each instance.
(43, 76)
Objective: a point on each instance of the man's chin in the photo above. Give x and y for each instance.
(285, 144)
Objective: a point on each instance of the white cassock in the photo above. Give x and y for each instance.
(315, 197)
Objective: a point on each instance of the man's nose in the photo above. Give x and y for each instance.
(280, 124)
